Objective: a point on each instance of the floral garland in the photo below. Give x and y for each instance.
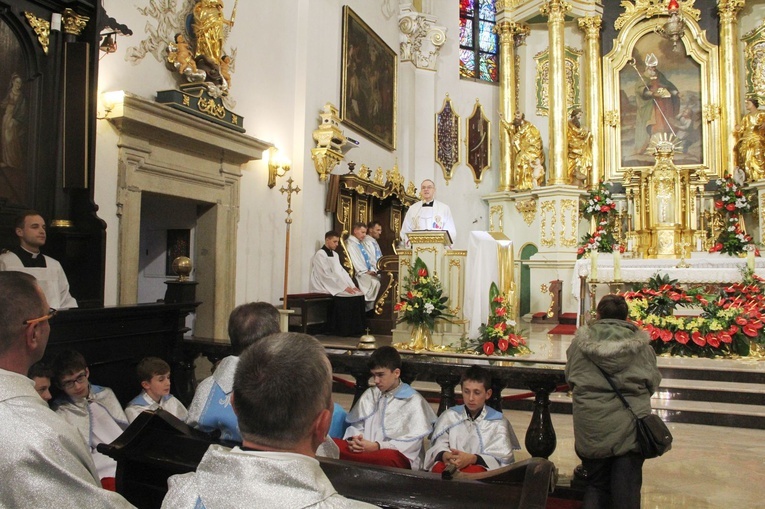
(600, 206)
(730, 322)
(731, 201)
(423, 301)
(498, 336)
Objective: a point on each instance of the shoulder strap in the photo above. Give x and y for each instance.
(616, 390)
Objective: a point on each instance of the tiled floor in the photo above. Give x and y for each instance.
(708, 466)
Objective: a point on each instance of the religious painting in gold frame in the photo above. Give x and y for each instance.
(478, 142)
(754, 61)
(447, 138)
(368, 82)
(687, 86)
(572, 57)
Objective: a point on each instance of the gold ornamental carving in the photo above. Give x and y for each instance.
(41, 28)
(548, 211)
(380, 302)
(611, 118)
(499, 211)
(729, 9)
(72, 22)
(636, 9)
(378, 178)
(527, 209)
(571, 64)
(762, 212)
(212, 108)
(591, 26)
(569, 222)
(413, 239)
(754, 61)
(555, 10)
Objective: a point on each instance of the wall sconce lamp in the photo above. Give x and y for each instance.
(278, 165)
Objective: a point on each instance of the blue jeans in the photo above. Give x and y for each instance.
(613, 482)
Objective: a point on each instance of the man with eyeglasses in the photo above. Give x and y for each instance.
(428, 214)
(26, 257)
(43, 459)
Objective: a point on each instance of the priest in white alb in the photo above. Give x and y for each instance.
(364, 264)
(428, 214)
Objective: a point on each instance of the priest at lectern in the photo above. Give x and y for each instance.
(428, 214)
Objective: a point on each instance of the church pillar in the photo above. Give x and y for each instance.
(511, 35)
(555, 11)
(594, 92)
(729, 76)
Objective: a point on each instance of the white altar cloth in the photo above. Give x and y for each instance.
(482, 270)
(704, 268)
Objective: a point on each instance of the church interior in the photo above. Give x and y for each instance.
(583, 147)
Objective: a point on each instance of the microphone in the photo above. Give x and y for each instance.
(448, 472)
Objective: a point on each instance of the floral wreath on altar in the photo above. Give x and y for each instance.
(731, 201)
(729, 325)
(601, 209)
(498, 336)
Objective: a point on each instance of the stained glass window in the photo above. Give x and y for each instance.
(479, 49)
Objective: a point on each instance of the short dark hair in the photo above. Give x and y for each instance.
(357, 225)
(40, 370)
(330, 234)
(19, 301)
(281, 384)
(477, 374)
(250, 322)
(149, 367)
(371, 224)
(385, 357)
(23, 215)
(613, 306)
(754, 101)
(68, 362)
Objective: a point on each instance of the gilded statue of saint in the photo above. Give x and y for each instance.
(526, 143)
(579, 150)
(208, 30)
(750, 141)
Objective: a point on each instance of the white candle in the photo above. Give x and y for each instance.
(594, 265)
(750, 259)
(617, 264)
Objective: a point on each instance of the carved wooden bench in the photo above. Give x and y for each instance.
(312, 312)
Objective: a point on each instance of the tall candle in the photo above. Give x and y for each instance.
(594, 265)
(750, 259)
(617, 263)
(698, 244)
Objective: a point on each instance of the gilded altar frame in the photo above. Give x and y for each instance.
(447, 139)
(572, 57)
(643, 20)
(754, 62)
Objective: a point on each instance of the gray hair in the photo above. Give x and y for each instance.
(281, 385)
(19, 301)
(250, 322)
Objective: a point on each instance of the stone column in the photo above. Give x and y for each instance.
(729, 76)
(555, 11)
(511, 35)
(594, 93)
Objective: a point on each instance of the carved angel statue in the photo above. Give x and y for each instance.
(179, 55)
(526, 144)
(750, 141)
(579, 150)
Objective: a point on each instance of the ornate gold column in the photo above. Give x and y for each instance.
(729, 75)
(593, 84)
(555, 11)
(511, 35)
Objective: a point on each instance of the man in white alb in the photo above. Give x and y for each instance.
(371, 241)
(327, 275)
(428, 214)
(26, 257)
(364, 264)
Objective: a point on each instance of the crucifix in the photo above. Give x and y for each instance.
(289, 190)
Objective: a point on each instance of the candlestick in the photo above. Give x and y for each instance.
(749, 248)
(698, 244)
(594, 265)
(617, 263)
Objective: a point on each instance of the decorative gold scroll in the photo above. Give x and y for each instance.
(447, 138)
(754, 61)
(572, 59)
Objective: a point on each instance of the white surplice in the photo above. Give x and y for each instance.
(368, 283)
(437, 217)
(143, 402)
(51, 279)
(327, 275)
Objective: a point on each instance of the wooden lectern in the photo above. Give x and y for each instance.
(432, 246)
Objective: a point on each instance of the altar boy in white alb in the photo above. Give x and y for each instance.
(473, 437)
(154, 375)
(364, 264)
(428, 214)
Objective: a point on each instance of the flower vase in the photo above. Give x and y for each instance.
(421, 339)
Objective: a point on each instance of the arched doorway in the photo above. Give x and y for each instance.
(527, 251)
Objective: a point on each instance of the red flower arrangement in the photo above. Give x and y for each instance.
(731, 201)
(498, 336)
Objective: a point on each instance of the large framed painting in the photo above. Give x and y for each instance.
(368, 84)
(655, 90)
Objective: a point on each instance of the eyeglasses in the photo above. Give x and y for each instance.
(51, 313)
(81, 379)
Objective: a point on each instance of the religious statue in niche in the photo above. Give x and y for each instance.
(526, 144)
(478, 142)
(198, 54)
(750, 141)
(447, 139)
(14, 110)
(579, 150)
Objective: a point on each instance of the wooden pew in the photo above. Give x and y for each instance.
(157, 445)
